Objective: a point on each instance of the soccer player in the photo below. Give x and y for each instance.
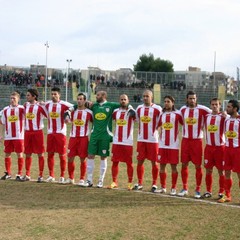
(78, 142)
(169, 123)
(192, 145)
(122, 148)
(13, 123)
(56, 137)
(101, 136)
(232, 149)
(215, 145)
(147, 115)
(34, 137)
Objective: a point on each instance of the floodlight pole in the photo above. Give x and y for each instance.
(46, 75)
(68, 61)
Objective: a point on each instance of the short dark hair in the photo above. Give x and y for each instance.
(56, 89)
(34, 92)
(190, 93)
(82, 94)
(215, 99)
(234, 103)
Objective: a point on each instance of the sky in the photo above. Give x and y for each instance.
(113, 34)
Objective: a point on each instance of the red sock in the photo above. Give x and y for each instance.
(83, 169)
(130, 172)
(174, 179)
(209, 180)
(8, 163)
(198, 176)
(184, 174)
(140, 173)
(155, 171)
(63, 164)
(163, 177)
(71, 168)
(227, 186)
(115, 171)
(51, 164)
(41, 165)
(221, 183)
(20, 165)
(28, 163)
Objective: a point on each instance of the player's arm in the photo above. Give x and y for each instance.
(2, 125)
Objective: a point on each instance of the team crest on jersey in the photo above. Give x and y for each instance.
(167, 126)
(190, 121)
(107, 109)
(212, 128)
(30, 116)
(12, 118)
(121, 122)
(78, 122)
(100, 116)
(231, 134)
(54, 115)
(145, 119)
(205, 161)
(104, 151)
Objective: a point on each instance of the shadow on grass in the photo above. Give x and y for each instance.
(32, 195)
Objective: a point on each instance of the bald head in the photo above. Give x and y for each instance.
(101, 96)
(124, 101)
(147, 97)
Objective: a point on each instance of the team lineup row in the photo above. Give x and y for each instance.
(157, 139)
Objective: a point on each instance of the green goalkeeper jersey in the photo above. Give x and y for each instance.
(102, 119)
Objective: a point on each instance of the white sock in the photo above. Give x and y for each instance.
(90, 168)
(103, 169)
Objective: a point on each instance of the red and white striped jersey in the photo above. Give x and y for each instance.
(193, 121)
(148, 118)
(13, 120)
(123, 134)
(35, 113)
(55, 112)
(214, 129)
(232, 132)
(81, 122)
(169, 129)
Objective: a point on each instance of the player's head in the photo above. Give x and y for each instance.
(215, 105)
(232, 107)
(56, 94)
(191, 99)
(32, 95)
(123, 100)
(147, 97)
(14, 98)
(101, 96)
(169, 102)
(81, 100)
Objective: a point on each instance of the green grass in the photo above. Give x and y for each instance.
(52, 211)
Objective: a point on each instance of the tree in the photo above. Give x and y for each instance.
(147, 63)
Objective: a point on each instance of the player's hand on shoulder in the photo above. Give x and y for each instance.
(131, 112)
(224, 114)
(67, 116)
(42, 103)
(88, 104)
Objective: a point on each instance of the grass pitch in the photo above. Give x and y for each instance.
(30, 210)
